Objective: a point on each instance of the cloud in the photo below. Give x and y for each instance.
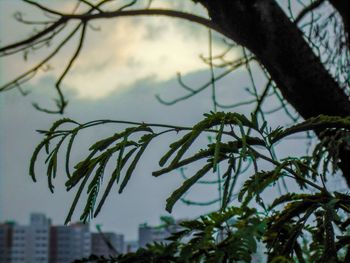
(131, 49)
(123, 52)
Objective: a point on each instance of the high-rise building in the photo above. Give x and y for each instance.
(30, 244)
(68, 243)
(151, 234)
(131, 246)
(107, 244)
(40, 242)
(5, 242)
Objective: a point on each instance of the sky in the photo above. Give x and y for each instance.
(123, 66)
(121, 69)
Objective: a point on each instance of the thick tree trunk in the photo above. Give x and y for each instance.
(263, 27)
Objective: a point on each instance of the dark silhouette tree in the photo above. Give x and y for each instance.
(306, 60)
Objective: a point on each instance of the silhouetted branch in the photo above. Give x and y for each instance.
(236, 64)
(53, 29)
(314, 5)
(86, 17)
(61, 103)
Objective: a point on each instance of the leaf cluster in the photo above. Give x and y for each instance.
(308, 225)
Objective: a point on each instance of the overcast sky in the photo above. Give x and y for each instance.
(121, 69)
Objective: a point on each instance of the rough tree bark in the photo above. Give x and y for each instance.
(263, 27)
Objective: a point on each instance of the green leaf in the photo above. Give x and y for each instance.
(173, 148)
(36, 152)
(82, 169)
(227, 175)
(58, 123)
(217, 146)
(114, 177)
(198, 156)
(132, 166)
(75, 201)
(104, 143)
(176, 195)
(256, 184)
(287, 198)
(69, 149)
(316, 123)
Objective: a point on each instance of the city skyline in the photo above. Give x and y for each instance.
(40, 241)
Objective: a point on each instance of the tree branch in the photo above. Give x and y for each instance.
(87, 17)
(308, 9)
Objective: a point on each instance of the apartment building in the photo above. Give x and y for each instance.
(30, 244)
(108, 243)
(41, 242)
(68, 243)
(150, 234)
(5, 242)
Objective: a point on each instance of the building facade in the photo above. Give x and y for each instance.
(5, 242)
(107, 244)
(131, 246)
(68, 243)
(40, 242)
(30, 244)
(151, 234)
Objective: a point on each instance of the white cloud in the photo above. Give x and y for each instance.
(131, 49)
(125, 51)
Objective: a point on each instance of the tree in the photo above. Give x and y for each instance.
(305, 59)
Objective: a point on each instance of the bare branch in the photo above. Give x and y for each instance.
(35, 37)
(62, 103)
(308, 9)
(87, 17)
(43, 8)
